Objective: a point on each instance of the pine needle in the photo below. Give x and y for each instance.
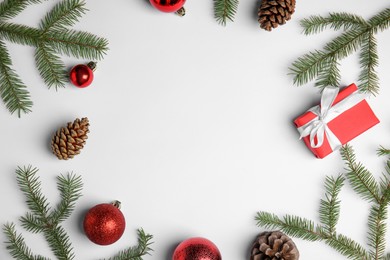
(225, 10)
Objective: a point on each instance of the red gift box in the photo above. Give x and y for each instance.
(342, 127)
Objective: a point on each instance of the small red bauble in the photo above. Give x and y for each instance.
(196, 248)
(104, 224)
(168, 6)
(82, 75)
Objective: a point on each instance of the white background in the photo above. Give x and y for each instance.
(191, 127)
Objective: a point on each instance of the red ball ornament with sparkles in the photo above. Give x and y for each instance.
(82, 75)
(104, 224)
(196, 248)
(168, 6)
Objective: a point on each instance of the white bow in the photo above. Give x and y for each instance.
(318, 127)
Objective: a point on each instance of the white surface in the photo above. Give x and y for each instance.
(191, 127)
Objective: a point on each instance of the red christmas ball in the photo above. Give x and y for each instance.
(104, 224)
(168, 6)
(82, 75)
(196, 248)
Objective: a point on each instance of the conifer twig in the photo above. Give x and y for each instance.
(225, 10)
(365, 185)
(53, 38)
(358, 34)
(46, 220)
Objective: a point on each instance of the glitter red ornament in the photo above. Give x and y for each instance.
(169, 6)
(82, 75)
(104, 223)
(196, 248)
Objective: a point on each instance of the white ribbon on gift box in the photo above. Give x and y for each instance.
(326, 113)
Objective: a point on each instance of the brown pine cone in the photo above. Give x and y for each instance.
(274, 246)
(275, 12)
(69, 140)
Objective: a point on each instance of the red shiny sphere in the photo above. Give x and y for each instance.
(196, 248)
(81, 76)
(104, 224)
(168, 6)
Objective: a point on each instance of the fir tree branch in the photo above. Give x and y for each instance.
(136, 252)
(31, 187)
(12, 90)
(65, 13)
(11, 8)
(20, 34)
(32, 223)
(358, 34)
(225, 10)
(347, 247)
(17, 246)
(329, 75)
(294, 226)
(70, 187)
(383, 151)
(377, 230)
(78, 44)
(59, 242)
(330, 206)
(369, 81)
(315, 24)
(380, 21)
(51, 68)
(360, 178)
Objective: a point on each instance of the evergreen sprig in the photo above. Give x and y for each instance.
(225, 10)
(46, 220)
(377, 193)
(359, 33)
(54, 37)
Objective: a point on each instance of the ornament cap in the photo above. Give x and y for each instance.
(181, 12)
(117, 204)
(92, 65)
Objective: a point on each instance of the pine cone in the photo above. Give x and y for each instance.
(274, 246)
(69, 140)
(275, 12)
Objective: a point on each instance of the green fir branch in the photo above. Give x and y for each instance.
(358, 34)
(31, 223)
(135, 253)
(59, 242)
(347, 247)
(52, 38)
(63, 15)
(42, 220)
(50, 67)
(12, 90)
(368, 61)
(361, 180)
(225, 10)
(330, 205)
(70, 187)
(365, 185)
(291, 225)
(381, 21)
(15, 243)
(336, 21)
(11, 8)
(30, 185)
(78, 44)
(329, 75)
(377, 230)
(383, 151)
